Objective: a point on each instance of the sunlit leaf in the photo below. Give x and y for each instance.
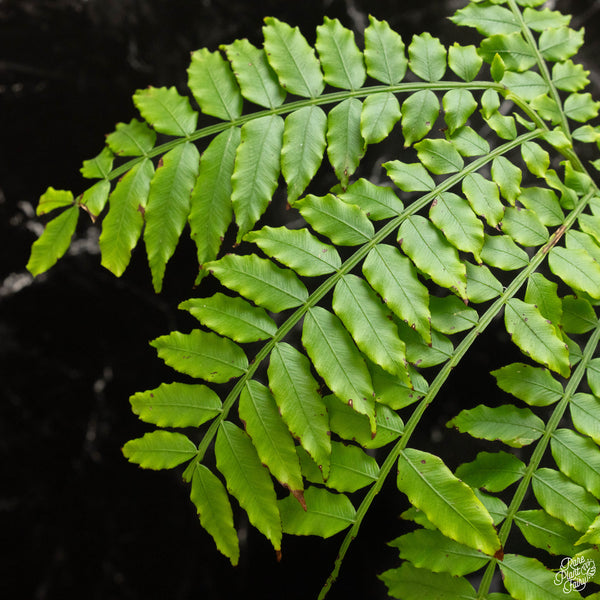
(338, 361)
(431, 253)
(535, 336)
(202, 354)
(270, 436)
(214, 510)
(176, 405)
(493, 472)
(298, 399)
(341, 60)
(516, 427)
(533, 385)
(448, 503)
(159, 450)
(248, 480)
(326, 513)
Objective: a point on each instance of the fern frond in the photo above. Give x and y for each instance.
(341, 325)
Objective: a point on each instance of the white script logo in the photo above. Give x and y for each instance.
(574, 573)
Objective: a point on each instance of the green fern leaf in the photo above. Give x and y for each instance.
(527, 578)
(258, 82)
(431, 550)
(351, 468)
(166, 110)
(458, 105)
(94, 199)
(544, 203)
(448, 503)
(515, 427)
(431, 253)
(297, 249)
(202, 354)
(535, 336)
(409, 177)
(380, 112)
(384, 52)
(508, 177)
(464, 61)
(344, 353)
(484, 198)
(533, 385)
(559, 43)
(211, 210)
(260, 280)
(420, 111)
(501, 251)
(292, 59)
(53, 242)
(351, 425)
(52, 199)
(456, 220)
(257, 165)
(98, 167)
(341, 60)
(512, 48)
(578, 316)
(544, 294)
(344, 224)
(591, 535)
(578, 458)
(345, 144)
(301, 406)
(248, 480)
(304, 141)
(547, 533)
(488, 20)
(338, 361)
(524, 227)
(410, 583)
(326, 513)
(377, 202)
(365, 317)
(212, 503)
(159, 450)
(122, 226)
(569, 77)
(593, 376)
(213, 85)
(232, 317)
(493, 472)
(481, 284)
(576, 268)
(131, 139)
(394, 277)
(439, 156)
(450, 315)
(168, 207)
(539, 20)
(564, 499)
(427, 57)
(423, 354)
(270, 436)
(585, 415)
(176, 405)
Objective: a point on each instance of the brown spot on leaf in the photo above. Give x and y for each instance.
(299, 495)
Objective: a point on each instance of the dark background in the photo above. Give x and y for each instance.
(77, 519)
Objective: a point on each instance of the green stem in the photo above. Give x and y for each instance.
(322, 100)
(435, 387)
